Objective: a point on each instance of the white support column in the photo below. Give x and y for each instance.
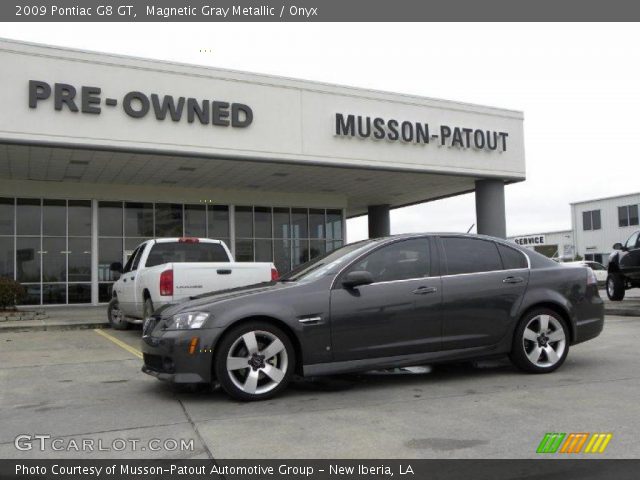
(94, 252)
(232, 230)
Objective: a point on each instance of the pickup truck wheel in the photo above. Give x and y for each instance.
(254, 361)
(615, 287)
(541, 342)
(115, 316)
(148, 308)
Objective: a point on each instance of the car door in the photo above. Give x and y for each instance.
(630, 256)
(483, 284)
(397, 314)
(127, 295)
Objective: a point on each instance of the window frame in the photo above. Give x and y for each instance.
(626, 219)
(434, 263)
(590, 214)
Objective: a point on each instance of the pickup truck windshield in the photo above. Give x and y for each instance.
(186, 252)
(320, 266)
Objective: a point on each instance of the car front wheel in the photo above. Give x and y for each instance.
(615, 287)
(541, 342)
(254, 361)
(115, 316)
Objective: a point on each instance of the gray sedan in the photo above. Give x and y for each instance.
(389, 302)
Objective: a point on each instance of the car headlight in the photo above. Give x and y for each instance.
(186, 320)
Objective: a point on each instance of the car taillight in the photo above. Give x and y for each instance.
(591, 277)
(166, 283)
(188, 240)
(274, 274)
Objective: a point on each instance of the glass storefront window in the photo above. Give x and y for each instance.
(79, 259)
(218, 222)
(195, 221)
(80, 293)
(282, 255)
(28, 259)
(168, 220)
(263, 250)
(138, 219)
(244, 222)
(55, 293)
(79, 215)
(262, 219)
(244, 250)
(110, 219)
(316, 223)
(54, 218)
(7, 209)
(6, 256)
(109, 251)
(334, 224)
(281, 223)
(299, 223)
(54, 259)
(28, 216)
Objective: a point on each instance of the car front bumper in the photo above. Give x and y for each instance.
(167, 355)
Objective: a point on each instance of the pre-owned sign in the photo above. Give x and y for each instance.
(138, 104)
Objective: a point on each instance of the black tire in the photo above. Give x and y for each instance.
(236, 382)
(615, 287)
(147, 309)
(523, 348)
(115, 316)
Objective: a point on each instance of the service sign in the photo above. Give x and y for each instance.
(530, 240)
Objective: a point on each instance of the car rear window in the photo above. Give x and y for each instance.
(186, 252)
(512, 258)
(470, 255)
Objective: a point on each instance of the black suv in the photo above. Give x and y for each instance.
(624, 267)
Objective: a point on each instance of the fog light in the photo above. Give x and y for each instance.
(167, 364)
(193, 344)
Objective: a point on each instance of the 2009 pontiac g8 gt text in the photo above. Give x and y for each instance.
(388, 302)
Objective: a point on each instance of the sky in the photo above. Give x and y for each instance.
(578, 85)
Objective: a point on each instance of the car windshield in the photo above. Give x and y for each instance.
(320, 266)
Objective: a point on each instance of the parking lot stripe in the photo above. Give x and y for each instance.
(120, 343)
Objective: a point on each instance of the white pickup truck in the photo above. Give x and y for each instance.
(170, 269)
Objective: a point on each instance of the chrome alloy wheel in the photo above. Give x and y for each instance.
(257, 362)
(544, 340)
(611, 289)
(116, 314)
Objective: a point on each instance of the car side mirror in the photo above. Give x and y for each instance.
(116, 267)
(618, 246)
(357, 278)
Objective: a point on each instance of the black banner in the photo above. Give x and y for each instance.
(547, 469)
(316, 10)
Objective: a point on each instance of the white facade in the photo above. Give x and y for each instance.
(99, 152)
(618, 220)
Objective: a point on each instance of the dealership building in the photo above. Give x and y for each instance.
(100, 152)
(595, 226)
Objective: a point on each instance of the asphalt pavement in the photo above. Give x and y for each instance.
(86, 385)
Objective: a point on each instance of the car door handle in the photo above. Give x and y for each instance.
(424, 290)
(132, 278)
(513, 280)
(224, 272)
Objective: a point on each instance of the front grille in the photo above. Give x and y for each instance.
(154, 362)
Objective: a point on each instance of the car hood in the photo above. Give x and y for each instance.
(207, 299)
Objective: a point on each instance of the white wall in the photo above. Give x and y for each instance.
(293, 120)
(601, 241)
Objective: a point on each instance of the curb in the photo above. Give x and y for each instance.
(623, 312)
(53, 326)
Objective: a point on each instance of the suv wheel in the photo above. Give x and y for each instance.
(115, 316)
(541, 342)
(615, 287)
(254, 361)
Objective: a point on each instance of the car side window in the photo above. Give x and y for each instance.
(129, 264)
(632, 242)
(399, 261)
(511, 258)
(470, 255)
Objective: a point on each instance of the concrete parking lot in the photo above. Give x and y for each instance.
(81, 384)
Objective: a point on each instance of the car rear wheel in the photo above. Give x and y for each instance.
(115, 316)
(615, 287)
(541, 342)
(254, 361)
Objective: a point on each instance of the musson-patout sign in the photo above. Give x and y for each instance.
(421, 133)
